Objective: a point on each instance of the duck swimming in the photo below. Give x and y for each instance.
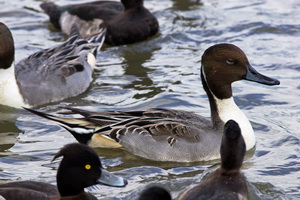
(79, 168)
(126, 22)
(226, 183)
(174, 135)
(155, 193)
(48, 75)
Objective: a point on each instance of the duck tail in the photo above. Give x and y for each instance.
(97, 39)
(79, 128)
(75, 31)
(53, 11)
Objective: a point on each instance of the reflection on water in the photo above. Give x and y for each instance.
(142, 83)
(186, 5)
(164, 71)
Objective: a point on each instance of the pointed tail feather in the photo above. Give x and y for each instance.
(85, 131)
(97, 38)
(75, 31)
(78, 128)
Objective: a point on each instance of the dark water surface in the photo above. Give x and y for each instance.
(164, 72)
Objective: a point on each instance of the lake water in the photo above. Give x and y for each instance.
(164, 72)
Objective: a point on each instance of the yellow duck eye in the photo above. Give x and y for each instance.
(87, 167)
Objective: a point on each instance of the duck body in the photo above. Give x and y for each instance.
(168, 131)
(24, 190)
(79, 168)
(126, 22)
(173, 135)
(220, 185)
(48, 75)
(227, 182)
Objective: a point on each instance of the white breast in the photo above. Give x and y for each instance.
(229, 110)
(9, 90)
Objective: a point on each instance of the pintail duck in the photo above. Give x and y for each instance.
(126, 22)
(174, 135)
(79, 168)
(226, 182)
(48, 75)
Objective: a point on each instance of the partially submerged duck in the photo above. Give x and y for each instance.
(126, 22)
(174, 135)
(227, 182)
(155, 193)
(79, 168)
(48, 75)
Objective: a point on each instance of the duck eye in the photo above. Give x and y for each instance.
(87, 167)
(230, 61)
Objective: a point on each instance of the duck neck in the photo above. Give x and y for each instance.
(215, 118)
(130, 4)
(9, 90)
(224, 109)
(66, 184)
(227, 109)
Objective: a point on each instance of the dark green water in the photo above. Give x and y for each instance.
(164, 72)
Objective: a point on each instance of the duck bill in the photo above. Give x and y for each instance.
(253, 75)
(109, 179)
